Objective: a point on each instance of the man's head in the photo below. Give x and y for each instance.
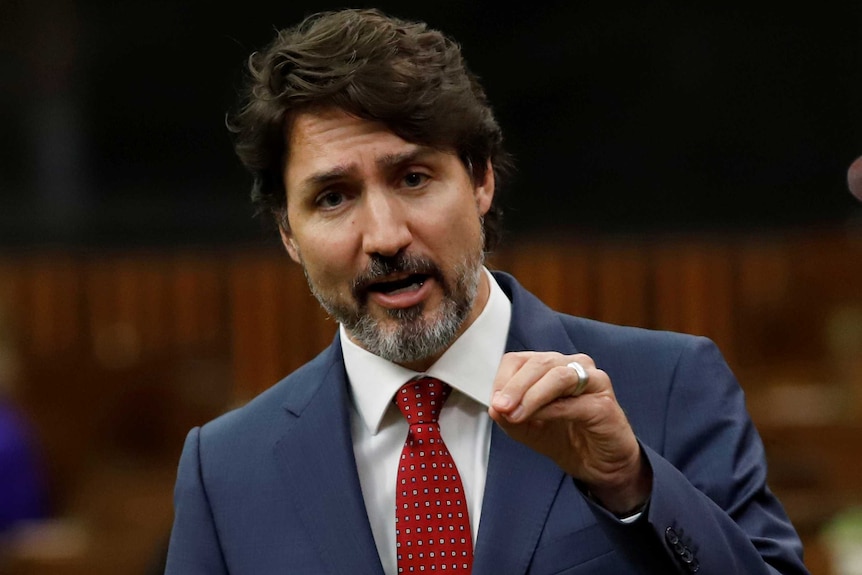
(372, 66)
(375, 149)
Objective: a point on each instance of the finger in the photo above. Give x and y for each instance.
(560, 382)
(582, 359)
(517, 429)
(517, 372)
(509, 365)
(544, 376)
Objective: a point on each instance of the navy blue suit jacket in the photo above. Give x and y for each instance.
(272, 486)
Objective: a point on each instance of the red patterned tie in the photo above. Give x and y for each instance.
(431, 523)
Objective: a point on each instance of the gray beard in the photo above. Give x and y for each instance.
(413, 336)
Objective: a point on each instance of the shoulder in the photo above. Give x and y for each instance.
(533, 320)
(616, 347)
(638, 342)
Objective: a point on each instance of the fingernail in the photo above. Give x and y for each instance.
(501, 401)
(516, 415)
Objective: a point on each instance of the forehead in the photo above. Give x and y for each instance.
(323, 139)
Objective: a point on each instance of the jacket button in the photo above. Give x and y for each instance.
(686, 555)
(671, 536)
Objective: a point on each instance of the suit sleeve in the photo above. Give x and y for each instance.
(194, 547)
(711, 511)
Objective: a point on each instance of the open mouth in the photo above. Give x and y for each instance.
(409, 283)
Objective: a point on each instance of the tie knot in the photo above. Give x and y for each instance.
(421, 400)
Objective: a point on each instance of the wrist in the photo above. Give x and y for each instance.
(628, 497)
(627, 516)
(620, 507)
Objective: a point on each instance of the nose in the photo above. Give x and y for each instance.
(386, 229)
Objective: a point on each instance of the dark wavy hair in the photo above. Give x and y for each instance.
(409, 77)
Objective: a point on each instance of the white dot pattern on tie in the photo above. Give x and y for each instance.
(431, 522)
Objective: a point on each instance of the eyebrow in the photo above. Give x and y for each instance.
(386, 162)
(394, 160)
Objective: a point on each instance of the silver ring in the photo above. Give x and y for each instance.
(583, 376)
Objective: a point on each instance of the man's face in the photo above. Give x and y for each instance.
(389, 234)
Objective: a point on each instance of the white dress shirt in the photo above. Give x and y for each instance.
(379, 429)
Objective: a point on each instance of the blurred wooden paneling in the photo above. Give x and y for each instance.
(276, 325)
(45, 292)
(561, 275)
(254, 305)
(694, 290)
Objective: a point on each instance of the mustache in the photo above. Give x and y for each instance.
(380, 267)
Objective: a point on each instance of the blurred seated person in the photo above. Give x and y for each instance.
(23, 493)
(23, 477)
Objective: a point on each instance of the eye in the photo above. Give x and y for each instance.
(415, 179)
(329, 199)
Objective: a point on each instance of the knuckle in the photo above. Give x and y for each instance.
(566, 373)
(548, 360)
(510, 357)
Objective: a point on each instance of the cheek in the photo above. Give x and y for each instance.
(327, 255)
(466, 225)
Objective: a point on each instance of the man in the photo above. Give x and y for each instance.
(563, 445)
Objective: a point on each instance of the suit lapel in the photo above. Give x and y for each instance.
(316, 455)
(534, 326)
(519, 491)
(522, 484)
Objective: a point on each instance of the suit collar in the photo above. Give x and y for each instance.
(534, 325)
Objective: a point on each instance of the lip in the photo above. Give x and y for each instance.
(404, 299)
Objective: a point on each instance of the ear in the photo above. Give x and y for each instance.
(484, 191)
(287, 240)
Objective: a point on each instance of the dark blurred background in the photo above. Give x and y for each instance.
(679, 166)
(622, 116)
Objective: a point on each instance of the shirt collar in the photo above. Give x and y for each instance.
(469, 365)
